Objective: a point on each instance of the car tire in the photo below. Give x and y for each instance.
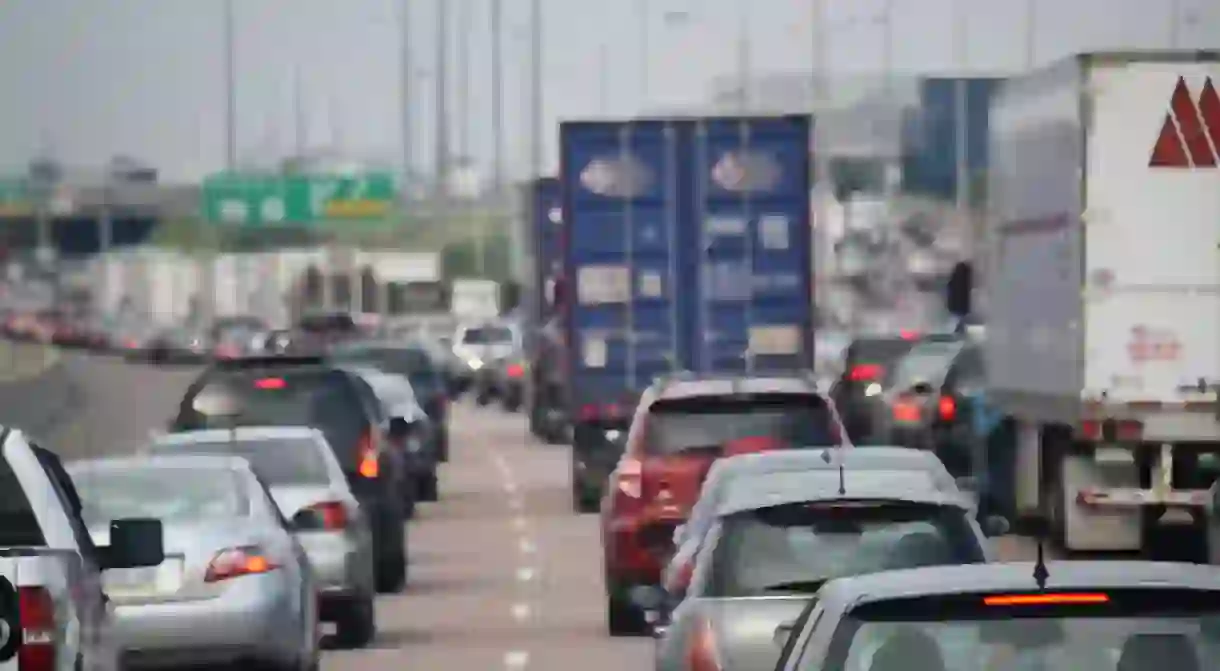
(391, 574)
(428, 488)
(623, 618)
(511, 403)
(442, 447)
(583, 501)
(357, 625)
(482, 398)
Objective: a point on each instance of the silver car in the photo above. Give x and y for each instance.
(235, 586)
(307, 483)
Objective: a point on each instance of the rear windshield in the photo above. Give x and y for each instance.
(882, 351)
(339, 323)
(486, 335)
(170, 494)
(413, 362)
(323, 399)
(18, 525)
(277, 461)
(927, 362)
(709, 423)
(1131, 630)
(796, 548)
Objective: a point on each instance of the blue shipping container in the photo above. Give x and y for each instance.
(688, 247)
(546, 240)
(929, 162)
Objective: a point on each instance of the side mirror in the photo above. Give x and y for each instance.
(134, 543)
(994, 525)
(400, 427)
(783, 632)
(10, 621)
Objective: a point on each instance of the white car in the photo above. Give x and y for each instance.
(47, 555)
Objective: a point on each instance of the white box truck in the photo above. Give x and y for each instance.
(1103, 286)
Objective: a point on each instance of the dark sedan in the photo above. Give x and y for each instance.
(419, 366)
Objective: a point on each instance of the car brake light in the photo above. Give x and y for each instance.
(703, 654)
(946, 408)
(907, 334)
(629, 478)
(332, 514)
(36, 610)
(751, 445)
(370, 466)
(1044, 599)
(270, 383)
(236, 562)
(515, 370)
(865, 372)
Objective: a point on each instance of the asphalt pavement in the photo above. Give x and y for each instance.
(503, 575)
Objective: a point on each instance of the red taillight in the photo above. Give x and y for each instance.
(703, 653)
(235, 562)
(270, 383)
(39, 632)
(227, 352)
(946, 408)
(593, 412)
(628, 487)
(515, 370)
(370, 465)
(131, 344)
(865, 372)
(907, 334)
(1126, 430)
(332, 514)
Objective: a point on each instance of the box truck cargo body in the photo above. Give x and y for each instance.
(687, 248)
(1103, 340)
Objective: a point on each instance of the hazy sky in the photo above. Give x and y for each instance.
(91, 78)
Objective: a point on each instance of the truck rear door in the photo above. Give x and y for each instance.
(1152, 230)
(622, 187)
(751, 212)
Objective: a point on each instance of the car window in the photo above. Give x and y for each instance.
(413, 362)
(277, 461)
(927, 363)
(804, 626)
(968, 371)
(878, 351)
(487, 335)
(796, 547)
(168, 493)
(325, 399)
(709, 423)
(69, 498)
(18, 524)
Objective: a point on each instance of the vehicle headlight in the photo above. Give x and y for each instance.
(474, 363)
(873, 389)
(613, 435)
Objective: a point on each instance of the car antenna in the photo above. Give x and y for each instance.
(1041, 572)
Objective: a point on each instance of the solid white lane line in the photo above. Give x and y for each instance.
(521, 611)
(526, 574)
(520, 523)
(526, 546)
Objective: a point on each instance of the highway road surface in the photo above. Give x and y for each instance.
(503, 575)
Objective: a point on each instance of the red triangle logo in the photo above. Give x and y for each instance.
(1169, 152)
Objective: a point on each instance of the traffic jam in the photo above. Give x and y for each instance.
(763, 497)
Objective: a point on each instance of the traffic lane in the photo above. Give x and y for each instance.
(503, 574)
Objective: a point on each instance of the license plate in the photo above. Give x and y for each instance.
(1113, 455)
(143, 581)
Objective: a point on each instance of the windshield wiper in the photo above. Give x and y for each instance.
(797, 586)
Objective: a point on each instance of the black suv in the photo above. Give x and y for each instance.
(306, 391)
(417, 364)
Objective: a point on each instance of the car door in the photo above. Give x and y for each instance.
(90, 601)
(283, 541)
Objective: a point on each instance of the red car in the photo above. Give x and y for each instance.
(681, 426)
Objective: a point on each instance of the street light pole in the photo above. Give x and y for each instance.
(1031, 33)
(230, 84)
(960, 104)
(642, 8)
(745, 73)
(536, 95)
(407, 71)
(497, 116)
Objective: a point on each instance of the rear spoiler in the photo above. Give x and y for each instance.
(251, 362)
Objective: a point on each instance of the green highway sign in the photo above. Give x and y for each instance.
(268, 200)
(16, 198)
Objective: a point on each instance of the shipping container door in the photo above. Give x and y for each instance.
(621, 207)
(751, 205)
(548, 242)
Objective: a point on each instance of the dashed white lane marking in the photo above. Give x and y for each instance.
(510, 487)
(515, 660)
(526, 574)
(526, 546)
(521, 611)
(514, 503)
(520, 523)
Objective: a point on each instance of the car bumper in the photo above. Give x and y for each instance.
(341, 563)
(252, 619)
